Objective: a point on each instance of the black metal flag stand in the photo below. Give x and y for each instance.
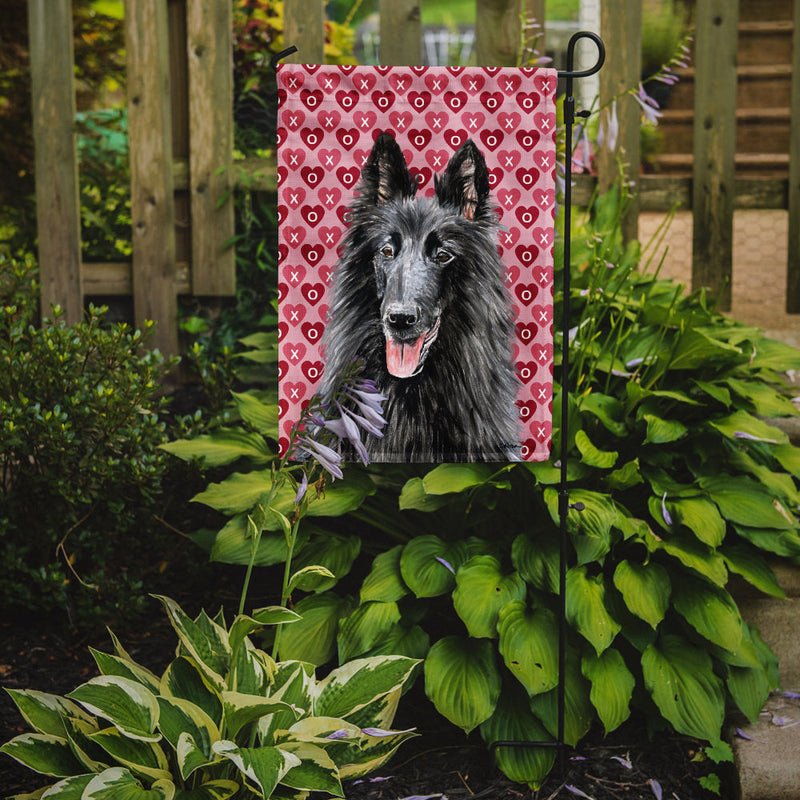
(564, 506)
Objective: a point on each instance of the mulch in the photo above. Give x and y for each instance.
(45, 654)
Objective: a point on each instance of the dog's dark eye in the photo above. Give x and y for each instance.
(443, 256)
(387, 251)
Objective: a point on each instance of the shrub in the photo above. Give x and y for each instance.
(222, 717)
(79, 430)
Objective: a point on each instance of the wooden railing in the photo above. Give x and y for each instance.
(181, 133)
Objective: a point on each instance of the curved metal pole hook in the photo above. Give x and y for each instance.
(570, 71)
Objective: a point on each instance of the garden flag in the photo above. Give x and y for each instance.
(416, 223)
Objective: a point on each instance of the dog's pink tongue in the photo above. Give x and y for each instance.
(402, 358)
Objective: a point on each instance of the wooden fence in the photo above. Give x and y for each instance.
(181, 133)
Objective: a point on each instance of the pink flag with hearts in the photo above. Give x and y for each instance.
(416, 223)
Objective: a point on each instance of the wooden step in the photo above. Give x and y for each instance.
(758, 85)
(763, 165)
(754, 10)
(758, 130)
(765, 42)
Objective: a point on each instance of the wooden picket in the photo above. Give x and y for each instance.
(181, 133)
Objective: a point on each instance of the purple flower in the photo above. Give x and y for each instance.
(327, 458)
(655, 786)
(608, 132)
(380, 732)
(624, 761)
(445, 563)
(577, 792)
(301, 489)
(664, 512)
(649, 106)
(751, 437)
(342, 733)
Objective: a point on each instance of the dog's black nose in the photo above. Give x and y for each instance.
(401, 321)
(401, 317)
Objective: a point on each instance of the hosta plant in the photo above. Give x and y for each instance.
(224, 720)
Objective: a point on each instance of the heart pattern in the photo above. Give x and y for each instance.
(328, 118)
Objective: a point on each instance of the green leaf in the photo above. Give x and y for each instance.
(244, 625)
(125, 668)
(448, 478)
(696, 349)
(145, 759)
(663, 431)
(691, 553)
(223, 446)
(334, 553)
(578, 710)
(701, 517)
(212, 790)
(462, 680)
(365, 628)
(645, 588)
(743, 501)
(44, 712)
(385, 581)
(234, 545)
(586, 608)
(766, 401)
(512, 721)
(126, 704)
(537, 561)
(178, 717)
(261, 416)
(313, 638)
(771, 354)
(741, 422)
(117, 783)
(591, 456)
(608, 410)
(749, 688)
(782, 543)
(422, 567)
(399, 640)
(529, 645)
(44, 753)
(481, 591)
(68, 789)
(589, 528)
(746, 561)
(788, 456)
(709, 609)
(413, 496)
(237, 493)
(359, 683)
(683, 685)
(612, 687)
(264, 766)
(627, 476)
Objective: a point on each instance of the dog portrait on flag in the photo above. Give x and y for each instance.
(416, 210)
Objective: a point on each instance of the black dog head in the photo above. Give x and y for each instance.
(415, 244)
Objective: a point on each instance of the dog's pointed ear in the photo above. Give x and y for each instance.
(465, 182)
(385, 176)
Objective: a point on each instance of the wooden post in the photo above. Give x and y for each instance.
(793, 267)
(304, 27)
(714, 147)
(400, 33)
(621, 28)
(210, 53)
(498, 31)
(56, 159)
(152, 202)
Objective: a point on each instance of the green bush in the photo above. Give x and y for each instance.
(224, 720)
(80, 469)
(683, 484)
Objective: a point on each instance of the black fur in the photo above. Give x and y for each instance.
(405, 263)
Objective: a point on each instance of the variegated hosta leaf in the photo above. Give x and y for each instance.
(513, 721)
(529, 645)
(125, 668)
(45, 712)
(242, 709)
(371, 754)
(262, 766)
(78, 733)
(360, 682)
(462, 680)
(252, 670)
(204, 641)
(145, 759)
(44, 753)
(683, 685)
(179, 718)
(212, 790)
(126, 704)
(612, 686)
(316, 771)
(68, 789)
(646, 589)
(244, 625)
(183, 679)
(294, 684)
(117, 783)
(481, 591)
(586, 608)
